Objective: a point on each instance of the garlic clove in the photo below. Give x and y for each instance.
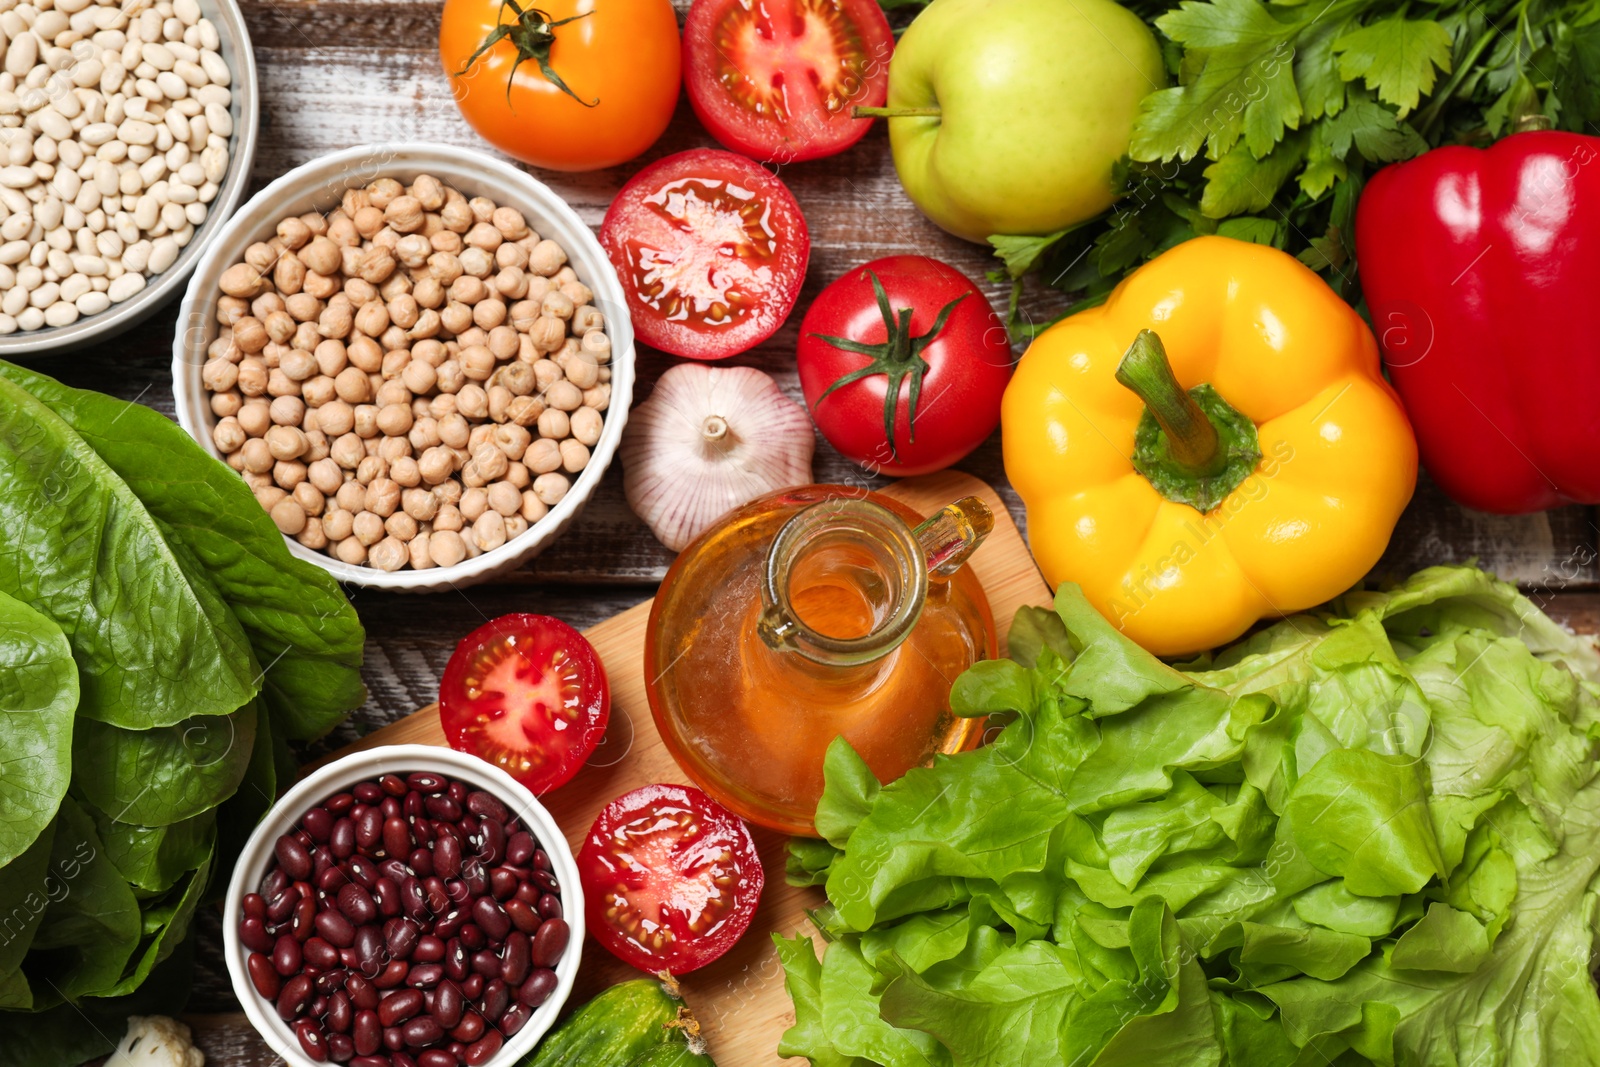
(708, 440)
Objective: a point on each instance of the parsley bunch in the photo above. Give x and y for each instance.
(1279, 113)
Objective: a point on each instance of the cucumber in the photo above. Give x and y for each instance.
(673, 1054)
(614, 1028)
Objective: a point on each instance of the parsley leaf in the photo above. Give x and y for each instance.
(1397, 57)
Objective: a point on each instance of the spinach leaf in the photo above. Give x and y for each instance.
(165, 926)
(155, 858)
(38, 694)
(92, 923)
(151, 648)
(165, 775)
(22, 888)
(304, 631)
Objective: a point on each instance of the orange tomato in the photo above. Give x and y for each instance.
(592, 83)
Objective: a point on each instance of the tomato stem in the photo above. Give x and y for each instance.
(533, 33)
(897, 357)
(895, 112)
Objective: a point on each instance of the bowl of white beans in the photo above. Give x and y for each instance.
(127, 134)
(417, 356)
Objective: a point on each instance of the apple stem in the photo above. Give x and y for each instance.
(895, 112)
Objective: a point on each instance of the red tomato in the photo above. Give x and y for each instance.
(776, 80)
(711, 249)
(526, 693)
(903, 363)
(670, 878)
(566, 84)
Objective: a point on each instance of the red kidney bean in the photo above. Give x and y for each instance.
(413, 901)
(447, 857)
(340, 1048)
(263, 975)
(339, 803)
(399, 1006)
(349, 958)
(493, 847)
(472, 986)
(329, 981)
(367, 792)
(396, 837)
(421, 861)
(369, 829)
(363, 994)
(487, 805)
(541, 860)
(253, 906)
(515, 962)
(496, 997)
(286, 959)
(393, 784)
(364, 871)
(442, 808)
(486, 963)
(292, 857)
(450, 924)
(273, 883)
(331, 879)
(342, 840)
(528, 893)
(436, 1057)
(519, 849)
(394, 869)
(426, 782)
(253, 934)
(549, 906)
(304, 919)
(425, 975)
(488, 914)
(401, 1058)
(430, 949)
(422, 1031)
(469, 1029)
(458, 1049)
(367, 1031)
(515, 1018)
(411, 805)
(371, 1061)
(294, 997)
(537, 989)
(319, 1005)
(335, 929)
(472, 937)
(319, 953)
(448, 1004)
(387, 896)
(503, 884)
(546, 881)
(400, 938)
(473, 873)
(281, 906)
(458, 791)
(369, 946)
(390, 808)
(455, 960)
(357, 904)
(318, 822)
(484, 1049)
(312, 1043)
(458, 891)
(522, 917)
(392, 1040)
(340, 1013)
(550, 942)
(392, 975)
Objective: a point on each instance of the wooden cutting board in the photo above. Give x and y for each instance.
(740, 999)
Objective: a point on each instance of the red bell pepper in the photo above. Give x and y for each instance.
(1481, 268)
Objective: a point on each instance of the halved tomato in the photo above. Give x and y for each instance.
(528, 694)
(711, 250)
(776, 79)
(670, 877)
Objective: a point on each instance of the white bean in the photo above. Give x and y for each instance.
(163, 254)
(17, 177)
(125, 287)
(93, 302)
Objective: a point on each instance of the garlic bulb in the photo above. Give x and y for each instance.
(708, 440)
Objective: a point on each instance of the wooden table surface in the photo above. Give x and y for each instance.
(346, 72)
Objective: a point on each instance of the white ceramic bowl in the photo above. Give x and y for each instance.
(160, 288)
(317, 186)
(364, 766)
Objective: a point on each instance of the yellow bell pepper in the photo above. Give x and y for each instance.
(1260, 475)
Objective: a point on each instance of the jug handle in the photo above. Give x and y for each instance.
(950, 538)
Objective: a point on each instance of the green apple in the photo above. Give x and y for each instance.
(1006, 116)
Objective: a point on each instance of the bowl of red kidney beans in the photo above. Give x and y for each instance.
(409, 906)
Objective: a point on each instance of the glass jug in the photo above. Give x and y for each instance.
(809, 614)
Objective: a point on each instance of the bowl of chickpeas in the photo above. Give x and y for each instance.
(418, 358)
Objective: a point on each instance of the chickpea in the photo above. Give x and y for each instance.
(546, 258)
(310, 500)
(365, 354)
(372, 318)
(228, 435)
(353, 386)
(542, 456)
(250, 334)
(504, 498)
(588, 319)
(337, 523)
(289, 516)
(321, 256)
(347, 451)
(533, 509)
(548, 333)
(368, 528)
(313, 536)
(437, 464)
(257, 456)
(219, 375)
(395, 392)
(420, 504)
(473, 401)
(286, 442)
(490, 462)
(574, 455)
(267, 495)
(554, 424)
(551, 488)
(599, 397)
(581, 369)
(255, 416)
(351, 551)
(455, 317)
(225, 404)
(287, 410)
(394, 419)
(586, 424)
(447, 547)
(454, 430)
(325, 475)
(383, 496)
(419, 548)
(474, 502)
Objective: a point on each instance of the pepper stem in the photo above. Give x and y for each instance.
(1191, 437)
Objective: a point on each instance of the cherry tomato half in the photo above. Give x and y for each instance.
(903, 364)
(528, 694)
(602, 92)
(711, 250)
(776, 80)
(670, 877)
